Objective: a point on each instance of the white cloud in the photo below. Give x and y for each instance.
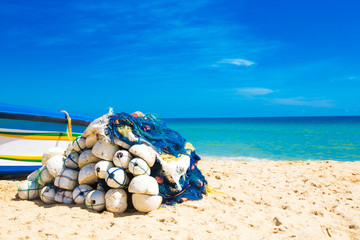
(253, 91)
(300, 101)
(238, 62)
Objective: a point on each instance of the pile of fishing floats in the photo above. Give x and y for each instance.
(103, 172)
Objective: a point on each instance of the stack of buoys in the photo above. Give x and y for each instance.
(99, 174)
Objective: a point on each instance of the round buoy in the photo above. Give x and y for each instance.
(101, 168)
(34, 175)
(87, 157)
(144, 184)
(87, 174)
(122, 158)
(91, 140)
(51, 152)
(116, 200)
(67, 179)
(41, 175)
(79, 144)
(145, 152)
(146, 203)
(121, 143)
(47, 194)
(64, 196)
(29, 190)
(80, 193)
(138, 166)
(54, 164)
(116, 178)
(95, 199)
(44, 176)
(104, 149)
(72, 160)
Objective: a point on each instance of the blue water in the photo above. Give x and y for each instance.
(283, 138)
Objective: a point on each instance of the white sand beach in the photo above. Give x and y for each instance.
(261, 200)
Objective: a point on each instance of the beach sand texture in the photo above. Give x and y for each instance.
(262, 200)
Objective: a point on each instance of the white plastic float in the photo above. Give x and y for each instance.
(116, 178)
(29, 190)
(146, 203)
(147, 153)
(72, 160)
(41, 175)
(50, 153)
(102, 167)
(64, 196)
(47, 194)
(104, 149)
(95, 199)
(80, 193)
(87, 174)
(138, 166)
(121, 143)
(116, 200)
(122, 158)
(44, 176)
(144, 184)
(67, 179)
(87, 157)
(79, 144)
(54, 164)
(91, 140)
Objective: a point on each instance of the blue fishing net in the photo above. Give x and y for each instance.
(149, 129)
(193, 183)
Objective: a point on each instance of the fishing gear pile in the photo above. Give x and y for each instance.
(121, 161)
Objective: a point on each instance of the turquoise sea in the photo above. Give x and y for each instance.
(278, 138)
(252, 139)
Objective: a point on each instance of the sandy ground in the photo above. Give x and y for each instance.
(262, 200)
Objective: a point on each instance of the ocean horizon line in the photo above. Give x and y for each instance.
(277, 117)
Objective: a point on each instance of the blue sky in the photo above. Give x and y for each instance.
(182, 58)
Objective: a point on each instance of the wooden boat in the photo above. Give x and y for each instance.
(26, 133)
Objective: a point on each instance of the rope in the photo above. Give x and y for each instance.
(71, 150)
(93, 205)
(39, 176)
(176, 194)
(69, 129)
(211, 190)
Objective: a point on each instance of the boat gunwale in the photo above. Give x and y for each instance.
(39, 118)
